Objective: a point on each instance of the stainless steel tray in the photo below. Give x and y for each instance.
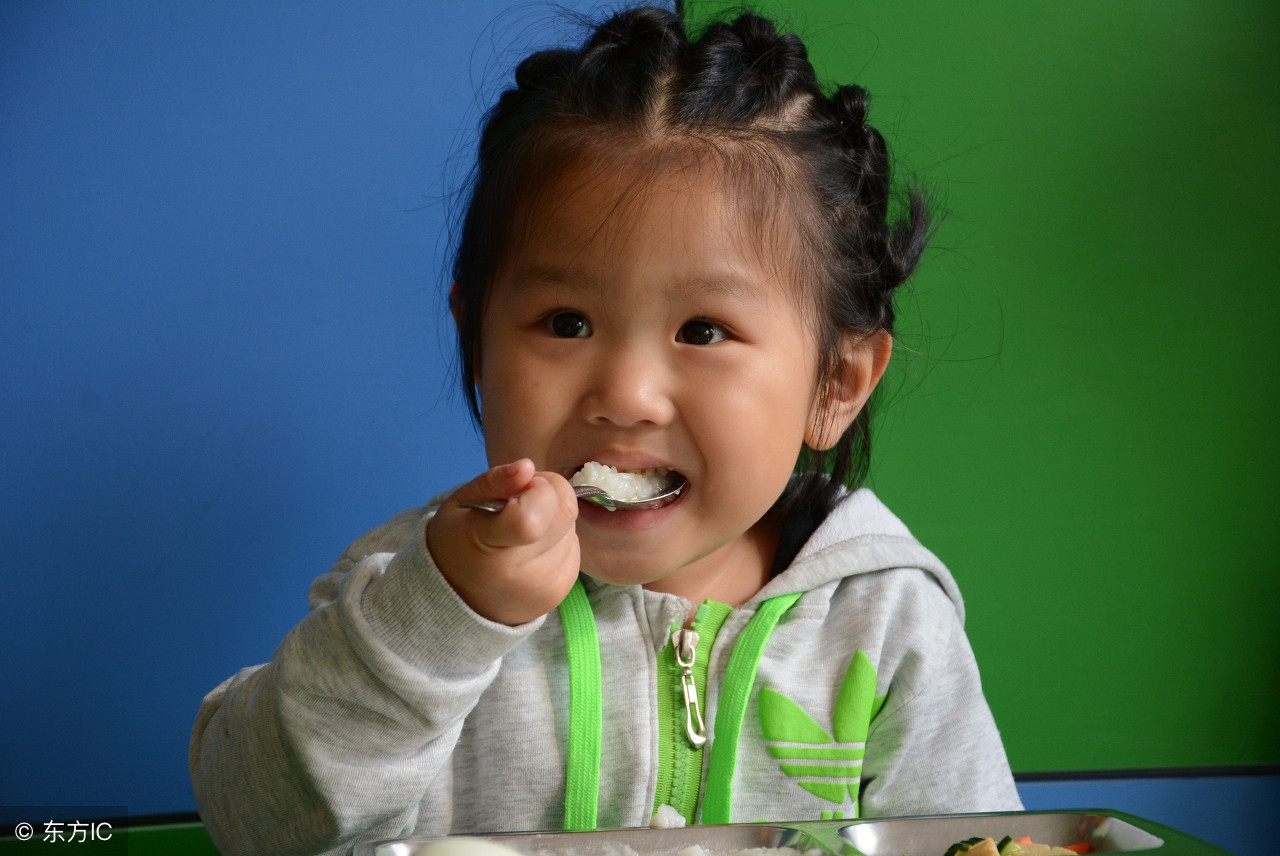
(1107, 831)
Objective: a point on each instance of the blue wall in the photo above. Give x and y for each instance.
(221, 344)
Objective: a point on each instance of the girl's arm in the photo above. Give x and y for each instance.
(343, 732)
(935, 748)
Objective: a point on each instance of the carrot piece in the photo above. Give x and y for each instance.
(1023, 840)
(1082, 847)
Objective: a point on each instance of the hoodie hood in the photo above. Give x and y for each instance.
(860, 536)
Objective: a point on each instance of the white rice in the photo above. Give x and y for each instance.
(666, 817)
(624, 485)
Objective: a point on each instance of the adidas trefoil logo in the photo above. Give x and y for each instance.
(826, 765)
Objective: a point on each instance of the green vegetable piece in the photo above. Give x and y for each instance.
(1009, 847)
(962, 846)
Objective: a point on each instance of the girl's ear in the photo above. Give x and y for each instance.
(456, 311)
(453, 304)
(861, 367)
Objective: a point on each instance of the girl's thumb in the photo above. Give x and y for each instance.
(505, 481)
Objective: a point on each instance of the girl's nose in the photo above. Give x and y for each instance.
(629, 387)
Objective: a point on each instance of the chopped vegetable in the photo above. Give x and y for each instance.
(1009, 846)
(962, 846)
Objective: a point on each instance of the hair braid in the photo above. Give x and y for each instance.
(739, 72)
(622, 65)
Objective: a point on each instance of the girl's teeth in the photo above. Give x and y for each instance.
(623, 484)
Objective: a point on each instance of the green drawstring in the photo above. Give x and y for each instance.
(739, 678)
(586, 717)
(586, 703)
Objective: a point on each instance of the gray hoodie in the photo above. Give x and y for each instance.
(393, 709)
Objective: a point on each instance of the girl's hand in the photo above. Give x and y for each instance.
(519, 563)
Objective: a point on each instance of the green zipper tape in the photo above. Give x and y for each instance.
(586, 717)
(739, 678)
(668, 675)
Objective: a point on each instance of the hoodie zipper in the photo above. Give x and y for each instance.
(682, 687)
(684, 644)
(680, 763)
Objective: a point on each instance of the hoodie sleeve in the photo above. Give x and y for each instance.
(934, 748)
(342, 733)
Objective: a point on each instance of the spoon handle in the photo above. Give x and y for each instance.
(494, 505)
(581, 491)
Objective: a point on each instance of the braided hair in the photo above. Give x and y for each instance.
(743, 93)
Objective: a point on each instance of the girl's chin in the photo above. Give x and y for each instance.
(625, 548)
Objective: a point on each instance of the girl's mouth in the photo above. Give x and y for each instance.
(649, 488)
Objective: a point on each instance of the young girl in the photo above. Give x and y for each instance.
(678, 261)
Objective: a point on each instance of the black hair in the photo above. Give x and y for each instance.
(739, 91)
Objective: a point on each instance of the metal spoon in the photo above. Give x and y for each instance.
(596, 495)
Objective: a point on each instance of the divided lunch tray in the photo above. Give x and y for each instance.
(1107, 831)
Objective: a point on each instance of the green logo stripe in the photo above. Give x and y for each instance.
(812, 771)
(815, 753)
(830, 791)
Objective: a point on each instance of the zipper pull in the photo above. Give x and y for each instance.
(685, 643)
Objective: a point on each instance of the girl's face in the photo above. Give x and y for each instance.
(640, 325)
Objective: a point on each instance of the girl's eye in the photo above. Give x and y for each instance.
(699, 332)
(569, 325)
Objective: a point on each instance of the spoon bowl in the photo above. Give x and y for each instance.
(591, 493)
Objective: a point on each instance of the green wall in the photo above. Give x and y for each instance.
(1083, 416)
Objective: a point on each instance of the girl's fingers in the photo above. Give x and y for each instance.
(501, 482)
(542, 512)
